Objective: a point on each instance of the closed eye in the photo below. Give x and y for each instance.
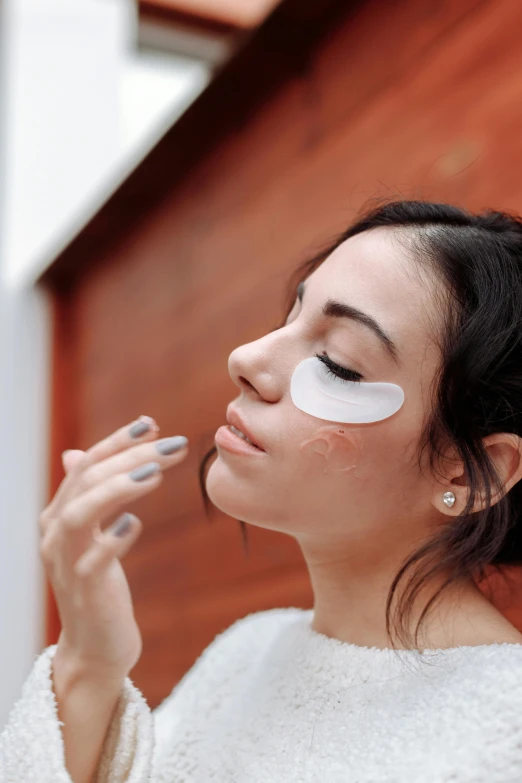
(342, 373)
(332, 368)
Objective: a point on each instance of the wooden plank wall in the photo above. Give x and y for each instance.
(413, 98)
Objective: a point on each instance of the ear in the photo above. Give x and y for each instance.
(505, 452)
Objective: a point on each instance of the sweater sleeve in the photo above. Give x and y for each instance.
(32, 747)
(138, 742)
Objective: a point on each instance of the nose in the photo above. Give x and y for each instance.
(257, 368)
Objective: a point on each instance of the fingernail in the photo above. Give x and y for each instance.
(149, 420)
(139, 429)
(145, 471)
(122, 525)
(170, 445)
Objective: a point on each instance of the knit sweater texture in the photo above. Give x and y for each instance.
(272, 701)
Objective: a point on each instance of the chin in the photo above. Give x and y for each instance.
(225, 491)
(240, 499)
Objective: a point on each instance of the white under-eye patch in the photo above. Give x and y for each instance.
(316, 392)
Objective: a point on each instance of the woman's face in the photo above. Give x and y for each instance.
(319, 478)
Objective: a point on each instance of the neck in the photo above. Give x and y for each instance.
(350, 602)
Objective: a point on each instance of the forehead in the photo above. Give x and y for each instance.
(377, 272)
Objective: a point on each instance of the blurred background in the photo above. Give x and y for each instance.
(164, 165)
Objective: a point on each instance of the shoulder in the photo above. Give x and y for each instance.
(259, 626)
(234, 648)
(486, 679)
(488, 692)
(497, 670)
(500, 661)
(244, 641)
(465, 706)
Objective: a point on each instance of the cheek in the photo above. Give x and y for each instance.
(338, 449)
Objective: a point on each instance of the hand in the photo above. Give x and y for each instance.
(82, 561)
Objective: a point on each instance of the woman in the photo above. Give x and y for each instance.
(386, 418)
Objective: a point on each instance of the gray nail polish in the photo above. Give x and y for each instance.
(170, 445)
(122, 525)
(145, 471)
(138, 429)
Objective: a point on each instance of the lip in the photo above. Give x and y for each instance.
(234, 418)
(231, 442)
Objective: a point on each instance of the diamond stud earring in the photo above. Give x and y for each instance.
(448, 498)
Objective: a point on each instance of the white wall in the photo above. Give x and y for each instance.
(79, 109)
(82, 108)
(24, 426)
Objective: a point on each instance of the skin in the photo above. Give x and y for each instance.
(354, 496)
(339, 449)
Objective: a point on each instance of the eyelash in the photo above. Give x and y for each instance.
(344, 374)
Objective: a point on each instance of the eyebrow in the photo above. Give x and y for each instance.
(333, 309)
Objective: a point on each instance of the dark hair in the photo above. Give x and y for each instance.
(477, 391)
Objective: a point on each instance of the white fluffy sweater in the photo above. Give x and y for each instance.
(272, 701)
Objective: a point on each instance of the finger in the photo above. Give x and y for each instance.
(70, 458)
(115, 541)
(167, 451)
(120, 439)
(92, 508)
